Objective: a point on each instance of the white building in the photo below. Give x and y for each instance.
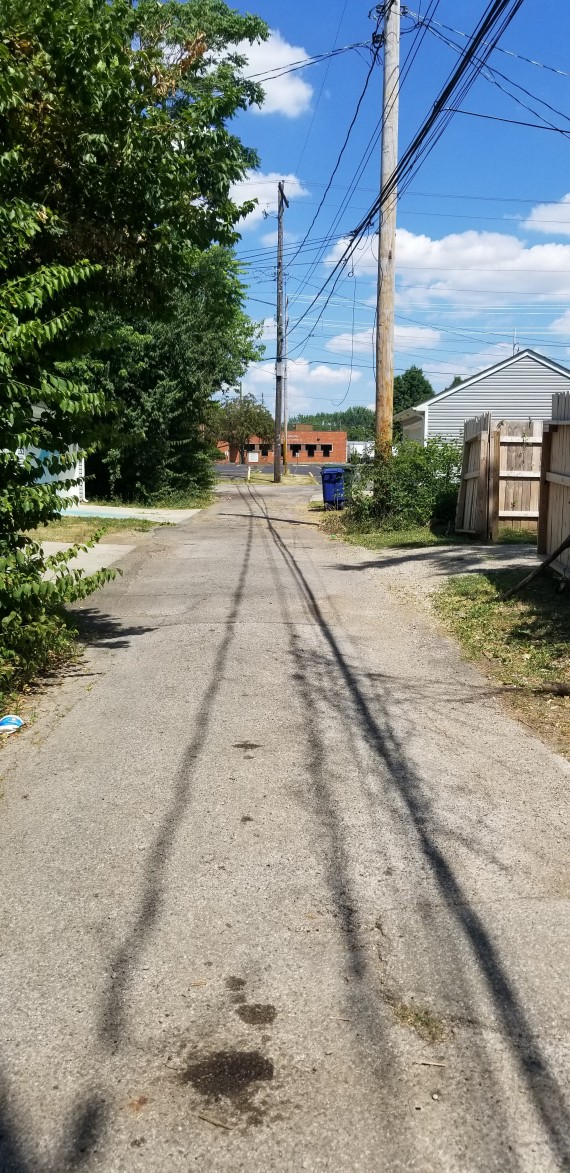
(518, 388)
(362, 448)
(76, 473)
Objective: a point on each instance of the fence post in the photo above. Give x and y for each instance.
(482, 513)
(462, 487)
(544, 492)
(494, 470)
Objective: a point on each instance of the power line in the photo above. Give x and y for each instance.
(323, 83)
(340, 403)
(491, 74)
(507, 52)
(512, 121)
(439, 195)
(343, 147)
(497, 17)
(302, 63)
(375, 137)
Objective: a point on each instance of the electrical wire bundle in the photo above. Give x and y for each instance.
(473, 58)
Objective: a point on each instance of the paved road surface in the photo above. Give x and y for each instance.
(225, 469)
(282, 888)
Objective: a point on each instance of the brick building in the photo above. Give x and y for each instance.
(304, 444)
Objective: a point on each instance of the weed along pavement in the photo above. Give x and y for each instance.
(282, 885)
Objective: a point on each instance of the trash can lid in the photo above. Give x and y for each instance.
(331, 468)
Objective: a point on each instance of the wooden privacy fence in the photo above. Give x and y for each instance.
(500, 477)
(554, 524)
(472, 503)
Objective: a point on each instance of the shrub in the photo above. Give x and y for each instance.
(416, 485)
(42, 416)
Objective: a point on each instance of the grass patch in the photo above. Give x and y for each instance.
(82, 529)
(338, 525)
(419, 1019)
(517, 537)
(261, 478)
(523, 643)
(191, 499)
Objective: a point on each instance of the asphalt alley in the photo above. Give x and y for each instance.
(282, 886)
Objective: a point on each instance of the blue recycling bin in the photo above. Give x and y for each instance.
(334, 496)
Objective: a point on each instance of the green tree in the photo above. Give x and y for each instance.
(240, 418)
(411, 388)
(116, 168)
(159, 379)
(42, 415)
(357, 422)
(456, 380)
(120, 129)
(415, 486)
(116, 119)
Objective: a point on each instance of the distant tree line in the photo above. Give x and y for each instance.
(410, 388)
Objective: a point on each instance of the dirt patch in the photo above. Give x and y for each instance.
(246, 745)
(138, 1103)
(257, 1014)
(234, 1076)
(235, 983)
(421, 1020)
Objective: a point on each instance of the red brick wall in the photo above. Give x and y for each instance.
(305, 445)
(301, 438)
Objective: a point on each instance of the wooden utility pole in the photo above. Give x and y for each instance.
(285, 386)
(282, 203)
(387, 234)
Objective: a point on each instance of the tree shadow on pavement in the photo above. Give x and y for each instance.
(281, 520)
(125, 958)
(85, 1129)
(469, 560)
(12, 1159)
(106, 631)
(406, 801)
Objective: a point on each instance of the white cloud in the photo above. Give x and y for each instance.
(290, 94)
(307, 381)
(301, 371)
(458, 267)
(553, 219)
(405, 338)
(262, 186)
(411, 337)
(342, 343)
(440, 371)
(561, 326)
(269, 331)
(270, 238)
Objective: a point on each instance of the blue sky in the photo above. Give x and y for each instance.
(483, 231)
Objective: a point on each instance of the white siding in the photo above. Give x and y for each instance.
(522, 390)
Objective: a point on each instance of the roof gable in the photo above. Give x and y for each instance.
(539, 359)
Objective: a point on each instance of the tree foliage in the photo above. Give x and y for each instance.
(411, 388)
(115, 118)
(116, 169)
(159, 380)
(357, 422)
(455, 382)
(240, 418)
(42, 416)
(415, 486)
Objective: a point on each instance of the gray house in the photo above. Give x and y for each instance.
(520, 387)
